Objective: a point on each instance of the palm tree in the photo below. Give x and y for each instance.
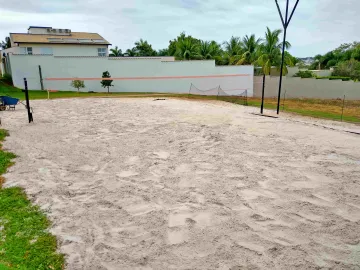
(250, 45)
(163, 52)
(130, 52)
(205, 50)
(116, 52)
(208, 49)
(187, 49)
(269, 52)
(269, 55)
(143, 48)
(233, 50)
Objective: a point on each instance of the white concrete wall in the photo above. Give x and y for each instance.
(322, 73)
(93, 67)
(308, 88)
(63, 49)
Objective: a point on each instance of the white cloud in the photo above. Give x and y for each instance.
(317, 26)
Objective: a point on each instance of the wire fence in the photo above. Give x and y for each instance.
(237, 96)
(339, 109)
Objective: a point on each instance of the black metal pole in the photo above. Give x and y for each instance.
(284, 100)
(27, 101)
(282, 56)
(262, 95)
(41, 79)
(285, 23)
(342, 111)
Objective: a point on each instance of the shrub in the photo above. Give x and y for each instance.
(333, 78)
(78, 84)
(7, 78)
(339, 78)
(106, 83)
(350, 68)
(304, 74)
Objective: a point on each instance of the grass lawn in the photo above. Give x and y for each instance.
(25, 242)
(319, 108)
(327, 109)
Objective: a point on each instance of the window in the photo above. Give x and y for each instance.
(101, 51)
(46, 50)
(26, 50)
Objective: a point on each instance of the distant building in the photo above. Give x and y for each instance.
(58, 42)
(41, 40)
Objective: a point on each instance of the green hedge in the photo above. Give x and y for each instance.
(334, 78)
(6, 78)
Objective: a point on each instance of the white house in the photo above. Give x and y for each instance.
(41, 40)
(58, 42)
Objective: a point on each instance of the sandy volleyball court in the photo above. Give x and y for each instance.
(173, 184)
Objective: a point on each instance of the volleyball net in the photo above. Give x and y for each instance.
(237, 95)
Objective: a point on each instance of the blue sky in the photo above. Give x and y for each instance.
(318, 26)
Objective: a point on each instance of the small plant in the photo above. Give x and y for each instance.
(304, 74)
(7, 78)
(106, 83)
(78, 84)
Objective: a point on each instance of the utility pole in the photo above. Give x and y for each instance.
(285, 24)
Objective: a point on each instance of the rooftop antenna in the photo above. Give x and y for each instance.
(285, 24)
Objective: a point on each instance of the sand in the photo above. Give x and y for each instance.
(174, 184)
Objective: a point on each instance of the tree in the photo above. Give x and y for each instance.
(115, 52)
(6, 44)
(78, 84)
(269, 52)
(106, 83)
(181, 44)
(249, 46)
(130, 52)
(349, 68)
(163, 52)
(208, 49)
(143, 48)
(187, 49)
(233, 51)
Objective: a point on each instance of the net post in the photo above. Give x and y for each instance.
(41, 79)
(27, 101)
(246, 97)
(217, 97)
(262, 95)
(189, 91)
(342, 111)
(284, 100)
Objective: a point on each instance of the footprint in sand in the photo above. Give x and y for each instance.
(162, 154)
(127, 173)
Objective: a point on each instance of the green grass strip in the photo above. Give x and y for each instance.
(25, 242)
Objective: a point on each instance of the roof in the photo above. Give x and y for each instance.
(31, 26)
(73, 38)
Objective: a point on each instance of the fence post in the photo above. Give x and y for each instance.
(284, 100)
(262, 95)
(28, 102)
(41, 79)
(342, 111)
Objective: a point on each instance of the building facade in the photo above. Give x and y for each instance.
(42, 40)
